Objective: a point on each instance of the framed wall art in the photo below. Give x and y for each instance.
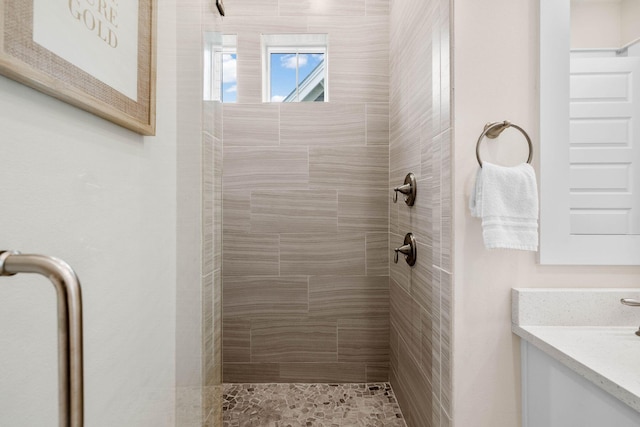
(99, 55)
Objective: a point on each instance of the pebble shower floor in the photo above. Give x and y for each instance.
(317, 405)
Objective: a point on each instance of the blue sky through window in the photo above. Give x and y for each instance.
(283, 72)
(229, 77)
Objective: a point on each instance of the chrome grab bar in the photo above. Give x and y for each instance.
(64, 279)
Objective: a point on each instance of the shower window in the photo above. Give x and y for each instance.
(295, 68)
(220, 71)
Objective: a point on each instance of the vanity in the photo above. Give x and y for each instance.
(580, 357)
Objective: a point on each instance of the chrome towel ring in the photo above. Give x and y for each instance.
(493, 130)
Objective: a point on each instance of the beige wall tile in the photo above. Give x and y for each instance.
(247, 297)
(294, 211)
(317, 254)
(348, 296)
(328, 7)
(237, 212)
(266, 24)
(446, 200)
(293, 340)
(250, 255)
(359, 80)
(377, 7)
(378, 124)
(446, 333)
(237, 341)
(421, 279)
(363, 211)
(405, 317)
(248, 66)
(322, 124)
(400, 272)
(352, 37)
(252, 168)
(251, 8)
(363, 340)
(322, 372)
(348, 168)
(377, 253)
(377, 372)
(251, 125)
(251, 372)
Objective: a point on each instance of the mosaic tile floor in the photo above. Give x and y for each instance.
(317, 405)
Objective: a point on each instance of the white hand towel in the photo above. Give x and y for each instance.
(506, 199)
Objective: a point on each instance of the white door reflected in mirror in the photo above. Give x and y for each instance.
(590, 132)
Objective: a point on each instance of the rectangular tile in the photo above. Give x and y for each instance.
(252, 7)
(322, 254)
(419, 389)
(294, 340)
(322, 372)
(419, 217)
(377, 7)
(348, 296)
(394, 349)
(248, 297)
(322, 124)
(377, 253)
(377, 372)
(237, 212)
(236, 341)
(421, 278)
(251, 372)
(260, 168)
(363, 340)
(265, 24)
(405, 316)
(251, 254)
(446, 202)
(366, 210)
(399, 271)
(355, 38)
(217, 324)
(427, 346)
(353, 80)
(327, 7)
(436, 203)
(248, 63)
(207, 329)
(294, 211)
(251, 125)
(348, 168)
(378, 124)
(436, 350)
(446, 333)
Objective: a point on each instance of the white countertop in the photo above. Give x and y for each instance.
(607, 354)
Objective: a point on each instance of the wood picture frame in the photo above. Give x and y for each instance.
(99, 56)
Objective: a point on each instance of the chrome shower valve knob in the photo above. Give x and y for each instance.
(409, 250)
(409, 189)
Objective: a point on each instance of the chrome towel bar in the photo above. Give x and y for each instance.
(493, 130)
(64, 279)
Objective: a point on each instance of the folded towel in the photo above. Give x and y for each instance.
(506, 199)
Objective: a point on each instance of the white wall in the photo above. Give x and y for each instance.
(630, 21)
(596, 24)
(104, 199)
(504, 86)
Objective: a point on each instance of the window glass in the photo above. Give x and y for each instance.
(229, 77)
(294, 67)
(283, 76)
(311, 77)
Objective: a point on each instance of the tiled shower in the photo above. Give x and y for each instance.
(310, 290)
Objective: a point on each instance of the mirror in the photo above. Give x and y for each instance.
(590, 132)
